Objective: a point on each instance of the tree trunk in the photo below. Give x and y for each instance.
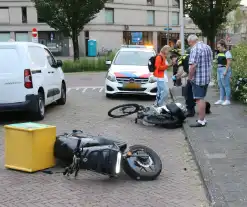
(75, 45)
(211, 39)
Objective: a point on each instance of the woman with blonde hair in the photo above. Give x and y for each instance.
(161, 65)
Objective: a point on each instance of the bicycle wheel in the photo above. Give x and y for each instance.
(124, 110)
(164, 121)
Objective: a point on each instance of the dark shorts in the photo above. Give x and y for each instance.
(199, 92)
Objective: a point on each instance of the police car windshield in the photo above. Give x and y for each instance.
(139, 58)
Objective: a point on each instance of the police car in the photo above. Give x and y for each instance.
(128, 72)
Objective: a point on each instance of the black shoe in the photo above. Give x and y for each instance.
(197, 124)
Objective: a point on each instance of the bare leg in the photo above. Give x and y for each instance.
(201, 109)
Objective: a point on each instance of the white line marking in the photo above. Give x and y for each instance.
(84, 90)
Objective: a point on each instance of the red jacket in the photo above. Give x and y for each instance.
(160, 67)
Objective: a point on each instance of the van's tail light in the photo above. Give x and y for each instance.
(28, 83)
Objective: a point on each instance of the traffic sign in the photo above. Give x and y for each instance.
(167, 29)
(34, 32)
(35, 35)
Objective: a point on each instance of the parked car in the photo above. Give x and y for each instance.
(30, 78)
(128, 72)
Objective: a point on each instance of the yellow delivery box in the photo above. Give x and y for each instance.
(29, 146)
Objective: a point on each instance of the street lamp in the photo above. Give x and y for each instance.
(181, 20)
(168, 23)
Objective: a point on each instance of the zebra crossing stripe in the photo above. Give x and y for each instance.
(84, 89)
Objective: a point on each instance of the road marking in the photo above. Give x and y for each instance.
(84, 89)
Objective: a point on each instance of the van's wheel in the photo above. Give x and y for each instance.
(40, 113)
(62, 100)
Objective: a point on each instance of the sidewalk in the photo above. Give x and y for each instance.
(220, 150)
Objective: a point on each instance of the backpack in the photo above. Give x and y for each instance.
(151, 63)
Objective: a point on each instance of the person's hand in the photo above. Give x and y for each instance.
(225, 73)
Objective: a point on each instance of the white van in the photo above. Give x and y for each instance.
(30, 78)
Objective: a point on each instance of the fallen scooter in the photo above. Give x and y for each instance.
(169, 116)
(106, 156)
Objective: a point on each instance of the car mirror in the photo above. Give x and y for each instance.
(59, 63)
(108, 62)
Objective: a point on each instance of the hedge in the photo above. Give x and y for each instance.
(87, 64)
(239, 70)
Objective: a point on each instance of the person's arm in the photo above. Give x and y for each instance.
(159, 65)
(228, 61)
(194, 56)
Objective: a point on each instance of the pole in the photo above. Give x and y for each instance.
(181, 20)
(168, 19)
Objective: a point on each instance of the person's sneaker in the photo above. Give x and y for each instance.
(219, 102)
(199, 124)
(226, 102)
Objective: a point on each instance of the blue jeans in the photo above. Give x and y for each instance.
(162, 92)
(224, 83)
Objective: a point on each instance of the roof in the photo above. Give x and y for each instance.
(22, 43)
(137, 49)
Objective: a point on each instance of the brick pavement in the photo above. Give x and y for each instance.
(220, 150)
(178, 185)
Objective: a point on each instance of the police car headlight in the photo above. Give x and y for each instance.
(152, 79)
(111, 77)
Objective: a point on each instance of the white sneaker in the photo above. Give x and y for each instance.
(219, 102)
(226, 102)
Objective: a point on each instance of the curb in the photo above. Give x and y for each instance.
(215, 198)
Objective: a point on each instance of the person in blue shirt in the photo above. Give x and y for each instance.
(224, 72)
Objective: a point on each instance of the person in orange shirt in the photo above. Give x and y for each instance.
(161, 65)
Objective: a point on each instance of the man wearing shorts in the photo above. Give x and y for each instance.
(201, 63)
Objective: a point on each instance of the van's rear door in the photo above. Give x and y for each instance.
(12, 88)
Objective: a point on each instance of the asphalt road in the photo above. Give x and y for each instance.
(178, 185)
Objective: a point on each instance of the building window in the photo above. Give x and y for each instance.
(150, 17)
(175, 3)
(24, 14)
(150, 2)
(4, 36)
(109, 16)
(175, 18)
(147, 38)
(21, 37)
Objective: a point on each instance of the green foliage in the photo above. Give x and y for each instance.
(87, 64)
(68, 16)
(239, 70)
(209, 15)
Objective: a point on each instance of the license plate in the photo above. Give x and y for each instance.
(132, 85)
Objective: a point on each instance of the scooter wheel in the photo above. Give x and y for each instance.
(133, 166)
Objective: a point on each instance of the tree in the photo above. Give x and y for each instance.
(209, 15)
(239, 19)
(69, 16)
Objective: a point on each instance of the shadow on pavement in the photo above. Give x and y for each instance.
(133, 98)
(19, 117)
